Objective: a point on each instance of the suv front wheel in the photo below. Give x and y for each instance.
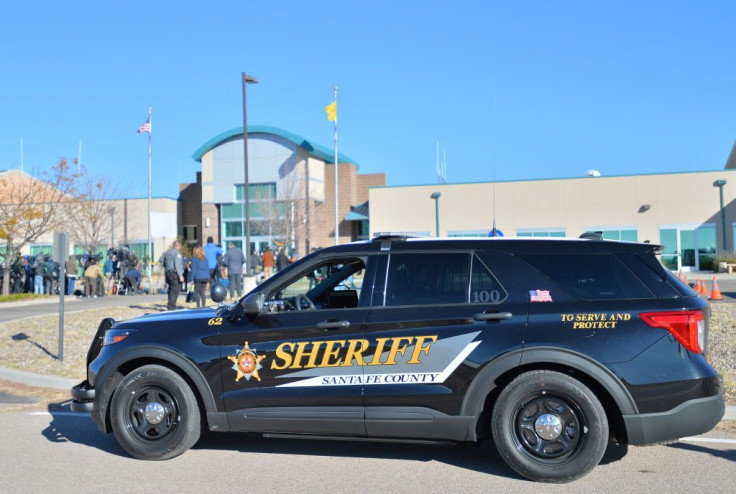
(549, 427)
(154, 414)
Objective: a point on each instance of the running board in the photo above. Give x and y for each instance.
(270, 435)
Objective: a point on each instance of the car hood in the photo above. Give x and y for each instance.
(174, 315)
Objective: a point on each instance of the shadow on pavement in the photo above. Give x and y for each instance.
(482, 457)
(726, 454)
(79, 429)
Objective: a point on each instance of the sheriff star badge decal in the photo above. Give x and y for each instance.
(247, 363)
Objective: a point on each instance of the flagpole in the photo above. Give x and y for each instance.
(337, 201)
(150, 247)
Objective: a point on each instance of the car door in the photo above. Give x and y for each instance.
(295, 367)
(437, 318)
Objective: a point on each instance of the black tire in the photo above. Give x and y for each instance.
(569, 417)
(154, 414)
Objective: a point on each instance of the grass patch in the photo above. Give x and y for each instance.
(13, 297)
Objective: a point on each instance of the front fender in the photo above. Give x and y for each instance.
(110, 376)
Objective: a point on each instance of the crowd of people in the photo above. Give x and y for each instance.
(91, 276)
(210, 263)
(85, 275)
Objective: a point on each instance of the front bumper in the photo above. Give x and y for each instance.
(83, 397)
(688, 419)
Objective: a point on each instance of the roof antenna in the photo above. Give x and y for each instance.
(494, 231)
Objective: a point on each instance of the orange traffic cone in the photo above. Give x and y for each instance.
(703, 289)
(698, 287)
(685, 280)
(715, 293)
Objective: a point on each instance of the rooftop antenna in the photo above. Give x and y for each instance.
(494, 232)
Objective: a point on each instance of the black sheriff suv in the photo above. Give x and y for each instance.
(551, 347)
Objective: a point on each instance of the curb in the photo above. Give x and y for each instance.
(39, 301)
(37, 380)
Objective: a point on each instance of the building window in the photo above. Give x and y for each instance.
(257, 192)
(540, 232)
(44, 249)
(468, 233)
(141, 250)
(190, 233)
(81, 250)
(626, 234)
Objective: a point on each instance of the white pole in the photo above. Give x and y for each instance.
(337, 201)
(150, 247)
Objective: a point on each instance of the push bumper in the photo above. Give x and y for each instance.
(688, 419)
(83, 397)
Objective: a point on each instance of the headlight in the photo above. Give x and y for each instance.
(116, 335)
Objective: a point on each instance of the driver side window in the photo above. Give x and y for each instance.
(334, 284)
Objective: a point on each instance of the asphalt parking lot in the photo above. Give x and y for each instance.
(64, 452)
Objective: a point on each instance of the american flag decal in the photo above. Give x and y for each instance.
(539, 296)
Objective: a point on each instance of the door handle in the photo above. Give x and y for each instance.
(333, 324)
(492, 316)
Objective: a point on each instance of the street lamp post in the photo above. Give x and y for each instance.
(246, 79)
(720, 184)
(436, 197)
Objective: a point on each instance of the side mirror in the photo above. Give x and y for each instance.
(253, 303)
(218, 292)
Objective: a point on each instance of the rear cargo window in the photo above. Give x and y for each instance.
(591, 277)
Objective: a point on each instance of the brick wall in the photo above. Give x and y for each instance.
(366, 181)
(190, 206)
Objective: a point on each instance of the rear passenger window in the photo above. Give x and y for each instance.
(427, 279)
(484, 287)
(591, 277)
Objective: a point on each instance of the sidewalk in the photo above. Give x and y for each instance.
(37, 380)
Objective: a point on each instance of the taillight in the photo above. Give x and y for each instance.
(688, 327)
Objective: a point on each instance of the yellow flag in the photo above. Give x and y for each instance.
(331, 110)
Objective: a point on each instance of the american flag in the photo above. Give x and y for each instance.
(540, 296)
(146, 127)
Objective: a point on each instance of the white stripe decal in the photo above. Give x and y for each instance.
(386, 378)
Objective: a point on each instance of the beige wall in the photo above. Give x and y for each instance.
(574, 205)
(131, 224)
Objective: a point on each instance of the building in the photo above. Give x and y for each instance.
(120, 221)
(681, 211)
(291, 189)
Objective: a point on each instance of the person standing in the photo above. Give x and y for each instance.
(267, 260)
(282, 261)
(233, 261)
(200, 276)
(92, 276)
(72, 269)
(212, 252)
(173, 265)
(254, 262)
(39, 267)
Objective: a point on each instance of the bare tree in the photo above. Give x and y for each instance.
(31, 207)
(90, 213)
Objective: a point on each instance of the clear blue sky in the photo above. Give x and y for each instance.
(623, 87)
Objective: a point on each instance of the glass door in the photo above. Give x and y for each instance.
(688, 247)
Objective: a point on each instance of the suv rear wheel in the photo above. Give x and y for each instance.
(154, 414)
(549, 427)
